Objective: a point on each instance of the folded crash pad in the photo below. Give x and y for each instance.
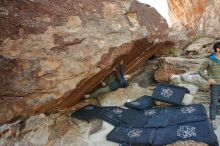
(169, 93)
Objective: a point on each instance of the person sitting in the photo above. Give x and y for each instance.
(110, 84)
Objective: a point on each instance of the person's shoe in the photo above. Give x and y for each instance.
(214, 126)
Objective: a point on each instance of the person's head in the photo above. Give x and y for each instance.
(216, 47)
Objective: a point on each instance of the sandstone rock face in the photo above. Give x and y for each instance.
(175, 65)
(54, 52)
(202, 16)
(186, 12)
(210, 21)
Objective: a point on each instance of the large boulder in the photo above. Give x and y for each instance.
(53, 52)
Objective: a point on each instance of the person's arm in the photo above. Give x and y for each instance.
(202, 68)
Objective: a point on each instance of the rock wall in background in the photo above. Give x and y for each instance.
(186, 12)
(53, 52)
(201, 16)
(210, 21)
